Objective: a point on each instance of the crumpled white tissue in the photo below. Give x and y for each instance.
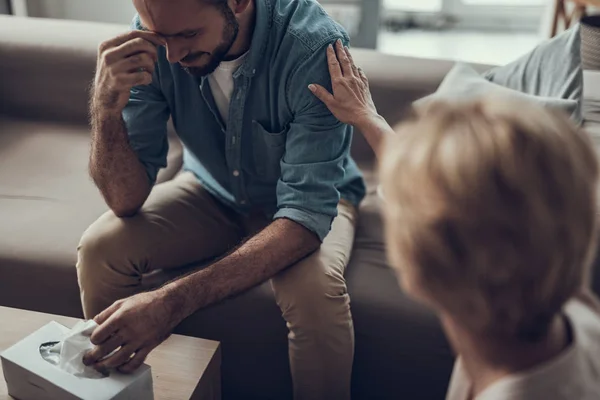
(71, 349)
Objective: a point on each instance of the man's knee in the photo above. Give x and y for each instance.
(110, 242)
(109, 255)
(313, 292)
(107, 265)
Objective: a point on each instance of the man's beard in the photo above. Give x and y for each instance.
(230, 33)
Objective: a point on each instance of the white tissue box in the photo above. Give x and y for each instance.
(30, 377)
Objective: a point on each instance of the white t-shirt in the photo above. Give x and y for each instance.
(572, 375)
(221, 84)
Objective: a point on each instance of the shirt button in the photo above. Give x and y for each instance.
(236, 173)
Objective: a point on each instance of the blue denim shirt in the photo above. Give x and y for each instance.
(281, 150)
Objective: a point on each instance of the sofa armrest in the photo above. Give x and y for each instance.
(46, 66)
(396, 82)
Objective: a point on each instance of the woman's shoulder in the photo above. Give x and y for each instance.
(583, 313)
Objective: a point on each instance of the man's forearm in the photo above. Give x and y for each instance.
(114, 166)
(279, 245)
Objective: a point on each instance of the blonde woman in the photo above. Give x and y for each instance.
(497, 236)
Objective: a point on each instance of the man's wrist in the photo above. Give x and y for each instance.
(175, 301)
(103, 113)
(104, 122)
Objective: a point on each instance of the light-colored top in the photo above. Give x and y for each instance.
(572, 375)
(221, 85)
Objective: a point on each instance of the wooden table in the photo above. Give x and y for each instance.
(182, 367)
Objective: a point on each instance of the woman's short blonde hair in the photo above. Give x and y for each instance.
(490, 212)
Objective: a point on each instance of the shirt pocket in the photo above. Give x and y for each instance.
(269, 149)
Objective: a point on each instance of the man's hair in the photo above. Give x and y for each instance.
(491, 212)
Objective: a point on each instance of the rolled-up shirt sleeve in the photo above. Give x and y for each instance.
(146, 116)
(316, 147)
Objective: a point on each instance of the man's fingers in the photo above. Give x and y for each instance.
(321, 93)
(107, 326)
(136, 46)
(127, 80)
(102, 350)
(130, 48)
(106, 314)
(136, 361)
(134, 63)
(343, 58)
(123, 355)
(151, 37)
(126, 37)
(140, 78)
(334, 65)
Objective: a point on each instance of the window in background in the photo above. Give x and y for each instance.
(524, 15)
(477, 31)
(493, 48)
(414, 6)
(4, 7)
(476, 14)
(17, 7)
(505, 2)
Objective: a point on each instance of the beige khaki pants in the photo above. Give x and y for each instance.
(182, 224)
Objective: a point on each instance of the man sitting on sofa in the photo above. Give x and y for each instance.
(268, 181)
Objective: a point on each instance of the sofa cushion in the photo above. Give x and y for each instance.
(463, 82)
(47, 200)
(51, 65)
(552, 69)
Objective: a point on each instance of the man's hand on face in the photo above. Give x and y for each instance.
(124, 62)
(135, 326)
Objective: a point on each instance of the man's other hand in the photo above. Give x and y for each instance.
(134, 326)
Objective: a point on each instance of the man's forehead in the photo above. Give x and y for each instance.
(169, 18)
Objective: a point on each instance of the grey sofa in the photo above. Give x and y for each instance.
(47, 201)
